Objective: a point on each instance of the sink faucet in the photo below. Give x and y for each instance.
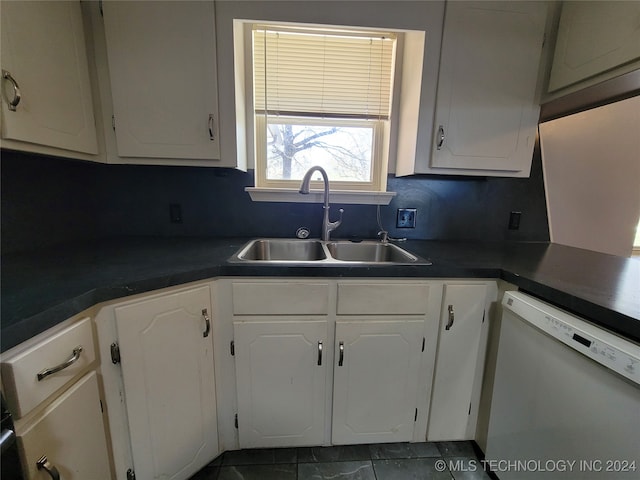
(327, 226)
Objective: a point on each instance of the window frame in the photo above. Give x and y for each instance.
(376, 187)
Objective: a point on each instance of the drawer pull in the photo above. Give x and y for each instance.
(67, 363)
(43, 464)
(207, 323)
(13, 103)
(451, 318)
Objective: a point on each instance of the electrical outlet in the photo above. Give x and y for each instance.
(406, 218)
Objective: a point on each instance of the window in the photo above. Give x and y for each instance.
(322, 97)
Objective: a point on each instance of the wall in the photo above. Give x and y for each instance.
(47, 200)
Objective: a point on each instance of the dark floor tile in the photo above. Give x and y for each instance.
(456, 449)
(341, 453)
(207, 473)
(260, 456)
(281, 471)
(356, 470)
(466, 468)
(403, 450)
(411, 469)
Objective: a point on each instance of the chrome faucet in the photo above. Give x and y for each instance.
(327, 226)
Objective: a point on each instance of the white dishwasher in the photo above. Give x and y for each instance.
(566, 397)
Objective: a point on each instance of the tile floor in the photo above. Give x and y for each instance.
(389, 461)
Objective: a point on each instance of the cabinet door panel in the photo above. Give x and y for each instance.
(487, 84)
(456, 362)
(162, 63)
(167, 367)
(43, 48)
(375, 384)
(71, 434)
(594, 37)
(281, 387)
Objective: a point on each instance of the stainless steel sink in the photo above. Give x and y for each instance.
(369, 252)
(273, 251)
(283, 250)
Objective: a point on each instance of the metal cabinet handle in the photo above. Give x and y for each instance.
(207, 323)
(211, 134)
(67, 363)
(16, 90)
(43, 464)
(440, 137)
(7, 438)
(341, 357)
(451, 317)
(319, 353)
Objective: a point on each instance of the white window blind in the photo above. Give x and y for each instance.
(305, 72)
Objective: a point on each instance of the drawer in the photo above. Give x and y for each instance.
(281, 298)
(382, 298)
(23, 390)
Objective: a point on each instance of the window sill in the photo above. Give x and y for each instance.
(317, 196)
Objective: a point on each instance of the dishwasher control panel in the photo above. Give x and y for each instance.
(611, 351)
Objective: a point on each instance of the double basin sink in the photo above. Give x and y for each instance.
(290, 251)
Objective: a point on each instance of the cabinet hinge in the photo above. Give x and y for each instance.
(423, 343)
(232, 348)
(113, 122)
(131, 475)
(415, 417)
(115, 353)
(235, 420)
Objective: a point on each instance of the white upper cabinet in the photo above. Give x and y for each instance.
(46, 94)
(162, 65)
(595, 37)
(486, 109)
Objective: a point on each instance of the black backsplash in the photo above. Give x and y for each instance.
(47, 200)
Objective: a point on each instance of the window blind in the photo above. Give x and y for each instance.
(322, 73)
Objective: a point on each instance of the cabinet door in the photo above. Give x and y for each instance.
(375, 380)
(162, 63)
(281, 382)
(457, 362)
(167, 366)
(43, 49)
(486, 112)
(594, 37)
(70, 433)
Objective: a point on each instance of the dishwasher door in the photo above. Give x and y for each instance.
(555, 412)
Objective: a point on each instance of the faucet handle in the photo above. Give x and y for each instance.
(385, 236)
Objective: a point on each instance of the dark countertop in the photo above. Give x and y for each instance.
(43, 288)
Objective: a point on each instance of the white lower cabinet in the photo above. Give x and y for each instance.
(353, 369)
(165, 350)
(375, 380)
(68, 438)
(281, 382)
(459, 361)
(51, 387)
